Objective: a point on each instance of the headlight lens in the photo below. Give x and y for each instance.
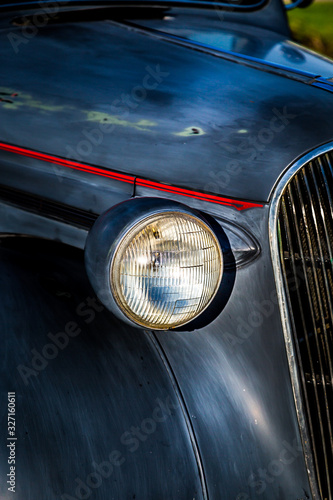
(166, 270)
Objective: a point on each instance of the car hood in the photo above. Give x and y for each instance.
(127, 99)
(213, 29)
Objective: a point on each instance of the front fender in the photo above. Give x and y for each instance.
(97, 415)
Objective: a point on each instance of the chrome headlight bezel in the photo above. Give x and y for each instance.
(107, 235)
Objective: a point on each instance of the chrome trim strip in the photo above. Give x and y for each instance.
(285, 317)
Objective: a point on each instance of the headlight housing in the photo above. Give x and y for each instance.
(155, 263)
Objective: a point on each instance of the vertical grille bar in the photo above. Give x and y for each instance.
(305, 239)
(325, 249)
(286, 242)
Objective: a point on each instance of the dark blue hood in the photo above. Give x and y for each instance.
(106, 94)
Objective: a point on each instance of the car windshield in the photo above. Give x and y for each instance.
(44, 4)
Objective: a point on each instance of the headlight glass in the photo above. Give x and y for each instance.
(166, 270)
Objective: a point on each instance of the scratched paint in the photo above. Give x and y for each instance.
(99, 117)
(23, 99)
(189, 131)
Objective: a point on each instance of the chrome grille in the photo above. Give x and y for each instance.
(305, 246)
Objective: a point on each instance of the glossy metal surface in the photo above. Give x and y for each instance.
(283, 301)
(303, 248)
(202, 3)
(133, 181)
(233, 376)
(92, 395)
(209, 124)
(235, 145)
(249, 43)
(233, 382)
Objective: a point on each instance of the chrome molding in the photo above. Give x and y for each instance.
(106, 235)
(283, 304)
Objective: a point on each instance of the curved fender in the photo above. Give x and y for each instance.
(96, 412)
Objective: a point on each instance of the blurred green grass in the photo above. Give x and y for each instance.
(313, 27)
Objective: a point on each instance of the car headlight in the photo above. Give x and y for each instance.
(155, 262)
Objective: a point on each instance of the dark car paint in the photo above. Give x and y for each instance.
(78, 405)
(87, 67)
(267, 13)
(232, 384)
(233, 433)
(269, 46)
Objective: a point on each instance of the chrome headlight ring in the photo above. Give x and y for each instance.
(154, 263)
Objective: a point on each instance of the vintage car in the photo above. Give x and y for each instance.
(166, 219)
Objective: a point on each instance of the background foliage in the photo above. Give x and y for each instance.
(313, 26)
